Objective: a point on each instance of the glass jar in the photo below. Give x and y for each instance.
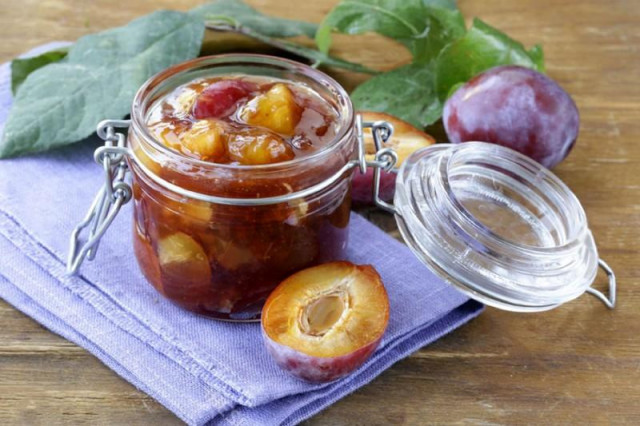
(217, 238)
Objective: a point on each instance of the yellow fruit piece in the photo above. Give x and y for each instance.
(182, 256)
(254, 147)
(276, 110)
(180, 247)
(206, 139)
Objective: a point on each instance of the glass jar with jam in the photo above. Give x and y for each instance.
(241, 172)
(209, 137)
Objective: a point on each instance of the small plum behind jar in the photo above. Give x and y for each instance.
(515, 107)
(323, 322)
(405, 140)
(221, 98)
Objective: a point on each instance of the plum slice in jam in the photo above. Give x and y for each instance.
(277, 109)
(220, 98)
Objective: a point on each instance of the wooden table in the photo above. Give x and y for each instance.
(577, 364)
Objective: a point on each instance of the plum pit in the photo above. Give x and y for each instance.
(323, 313)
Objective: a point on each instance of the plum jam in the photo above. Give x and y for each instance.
(221, 148)
(244, 120)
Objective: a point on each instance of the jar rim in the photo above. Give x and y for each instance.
(345, 111)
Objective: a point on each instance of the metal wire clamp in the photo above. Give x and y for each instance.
(114, 193)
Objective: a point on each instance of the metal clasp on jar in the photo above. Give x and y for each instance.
(110, 198)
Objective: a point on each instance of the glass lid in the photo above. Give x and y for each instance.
(495, 224)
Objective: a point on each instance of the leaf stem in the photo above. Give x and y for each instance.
(317, 58)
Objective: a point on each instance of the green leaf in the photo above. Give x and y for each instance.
(537, 56)
(316, 57)
(22, 67)
(406, 92)
(455, 88)
(251, 18)
(446, 4)
(423, 26)
(416, 92)
(62, 102)
(481, 48)
(444, 27)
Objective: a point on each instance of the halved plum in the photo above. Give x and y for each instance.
(405, 140)
(325, 321)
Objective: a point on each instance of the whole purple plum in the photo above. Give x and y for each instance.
(516, 107)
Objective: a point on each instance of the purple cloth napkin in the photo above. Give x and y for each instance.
(202, 370)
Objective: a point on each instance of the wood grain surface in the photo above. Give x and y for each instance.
(577, 364)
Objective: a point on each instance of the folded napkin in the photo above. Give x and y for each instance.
(203, 370)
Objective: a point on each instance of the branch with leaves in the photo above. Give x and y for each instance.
(61, 95)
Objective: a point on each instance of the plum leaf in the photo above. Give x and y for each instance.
(22, 67)
(481, 48)
(416, 92)
(422, 26)
(406, 92)
(62, 102)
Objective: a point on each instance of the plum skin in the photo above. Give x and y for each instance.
(515, 107)
(362, 187)
(220, 97)
(317, 369)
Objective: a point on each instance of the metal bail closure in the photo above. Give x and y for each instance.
(110, 198)
(610, 301)
(384, 160)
